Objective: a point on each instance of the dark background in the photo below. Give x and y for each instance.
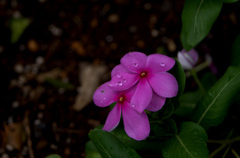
(64, 34)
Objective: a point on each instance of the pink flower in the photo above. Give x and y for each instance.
(136, 124)
(188, 59)
(148, 73)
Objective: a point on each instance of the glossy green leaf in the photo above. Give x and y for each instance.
(235, 54)
(109, 146)
(213, 107)
(190, 142)
(91, 151)
(229, 1)
(53, 156)
(17, 26)
(198, 17)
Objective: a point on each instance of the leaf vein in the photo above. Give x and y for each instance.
(180, 141)
(211, 104)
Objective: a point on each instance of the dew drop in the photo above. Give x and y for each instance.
(162, 64)
(110, 85)
(118, 76)
(133, 105)
(124, 80)
(119, 83)
(104, 98)
(135, 64)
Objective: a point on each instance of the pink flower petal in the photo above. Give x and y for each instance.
(164, 84)
(136, 124)
(124, 81)
(159, 63)
(142, 96)
(104, 95)
(134, 61)
(156, 103)
(113, 118)
(118, 70)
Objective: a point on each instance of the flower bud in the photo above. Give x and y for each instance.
(188, 59)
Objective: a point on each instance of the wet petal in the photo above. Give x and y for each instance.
(164, 84)
(134, 61)
(136, 124)
(104, 95)
(126, 81)
(159, 63)
(118, 71)
(142, 95)
(156, 103)
(113, 118)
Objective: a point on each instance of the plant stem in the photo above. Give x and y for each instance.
(235, 153)
(194, 75)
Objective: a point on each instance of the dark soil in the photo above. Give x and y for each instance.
(63, 34)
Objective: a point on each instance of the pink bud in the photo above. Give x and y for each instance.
(188, 59)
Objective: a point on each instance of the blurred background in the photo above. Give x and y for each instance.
(55, 53)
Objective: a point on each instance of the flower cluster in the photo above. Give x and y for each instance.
(139, 83)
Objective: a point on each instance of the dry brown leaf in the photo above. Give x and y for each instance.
(90, 76)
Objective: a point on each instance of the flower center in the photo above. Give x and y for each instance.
(143, 74)
(121, 99)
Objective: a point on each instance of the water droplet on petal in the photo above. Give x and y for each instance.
(162, 64)
(124, 80)
(135, 64)
(110, 85)
(133, 105)
(104, 98)
(119, 83)
(118, 76)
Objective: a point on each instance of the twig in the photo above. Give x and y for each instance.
(235, 153)
(28, 133)
(217, 150)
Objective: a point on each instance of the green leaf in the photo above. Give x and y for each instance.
(188, 100)
(212, 109)
(166, 111)
(179, 74)
(144, 145)
(229, 1)
(53, 156)
(110, 146)
(59, 84)
(235, 54)
(187, 103)
(164, 128)
(91, 151)
(17, 27)
(190, 142)
(198, 17)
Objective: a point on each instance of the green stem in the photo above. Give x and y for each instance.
(194, 75)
